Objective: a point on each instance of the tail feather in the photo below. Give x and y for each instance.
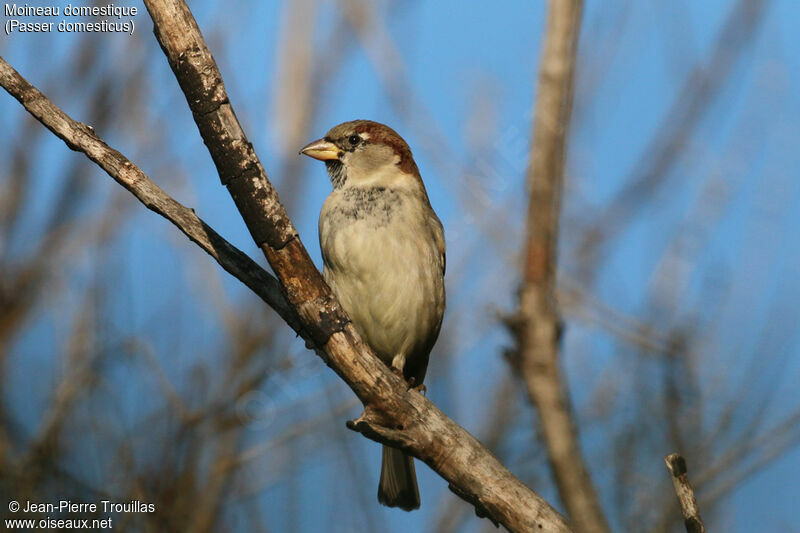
(398, 485)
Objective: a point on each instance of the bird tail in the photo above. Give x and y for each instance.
(398, 485)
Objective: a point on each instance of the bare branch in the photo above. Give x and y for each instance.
(539, 323)
(680, 480)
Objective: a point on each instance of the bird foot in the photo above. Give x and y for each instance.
(421, 388)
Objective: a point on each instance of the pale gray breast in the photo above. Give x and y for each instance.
(383, 254)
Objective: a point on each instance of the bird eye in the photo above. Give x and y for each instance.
(354, 139)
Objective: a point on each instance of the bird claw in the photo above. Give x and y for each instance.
(421, 388)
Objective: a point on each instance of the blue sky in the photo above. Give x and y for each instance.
(458, 56)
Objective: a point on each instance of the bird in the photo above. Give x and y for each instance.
(383, 252)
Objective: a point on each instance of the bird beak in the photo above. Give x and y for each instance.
(321, 149)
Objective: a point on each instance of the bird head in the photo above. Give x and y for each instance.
(362, 153)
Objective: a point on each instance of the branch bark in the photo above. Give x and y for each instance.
(393, 414)
(676, 465)
(538, 329)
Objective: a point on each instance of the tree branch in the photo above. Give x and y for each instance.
(538, 329)
(680, 480)
(393, 414)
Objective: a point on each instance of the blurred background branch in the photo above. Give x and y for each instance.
(538, 324)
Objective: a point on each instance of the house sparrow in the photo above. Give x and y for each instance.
(384, 258)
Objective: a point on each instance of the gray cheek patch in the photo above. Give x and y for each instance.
(375, 158)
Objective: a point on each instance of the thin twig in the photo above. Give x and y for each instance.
(680, 480)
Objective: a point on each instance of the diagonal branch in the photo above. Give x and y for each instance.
(538, 329)
(393, 414)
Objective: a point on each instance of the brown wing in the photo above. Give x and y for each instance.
(417, 365)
